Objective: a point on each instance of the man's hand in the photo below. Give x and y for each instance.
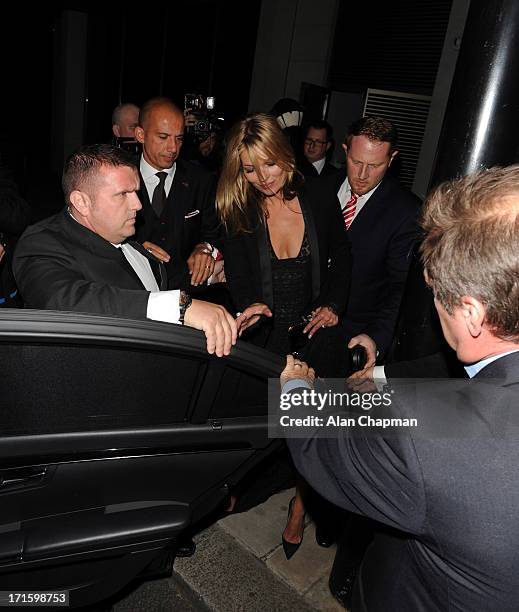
(217, 324)
(321, 317)
(296, 369)
(156, 251)
(362, 381)
(200, 264)
(370, 346)
(2, 252)
(251, 315)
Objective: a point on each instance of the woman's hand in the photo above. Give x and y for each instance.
(251, 315)
(321, 317)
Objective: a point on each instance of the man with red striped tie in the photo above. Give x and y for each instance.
(381, 218)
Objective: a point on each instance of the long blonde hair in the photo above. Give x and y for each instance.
(261, 137)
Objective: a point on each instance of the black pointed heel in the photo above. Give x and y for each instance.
(290, 548)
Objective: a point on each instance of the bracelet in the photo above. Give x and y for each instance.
(184, 303)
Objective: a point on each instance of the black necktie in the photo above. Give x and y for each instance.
(158, 200)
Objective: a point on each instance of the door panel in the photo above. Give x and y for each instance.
(113, 434)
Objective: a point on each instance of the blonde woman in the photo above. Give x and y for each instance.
(286, 256)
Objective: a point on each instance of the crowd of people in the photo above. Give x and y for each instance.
(276, 239)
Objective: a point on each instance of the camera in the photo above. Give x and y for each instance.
(128, 143)
(206, 120)
(358, 358)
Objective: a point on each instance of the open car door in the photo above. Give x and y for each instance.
(115, 435)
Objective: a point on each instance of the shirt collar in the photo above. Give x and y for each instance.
(319, 164)
(475, 368)
(365, 196)
(148, 171)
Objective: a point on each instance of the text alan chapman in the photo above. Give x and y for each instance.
(364, 420)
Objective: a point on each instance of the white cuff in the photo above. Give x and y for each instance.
(379, 377)
(164, 306)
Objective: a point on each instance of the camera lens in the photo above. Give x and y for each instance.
(358, 358)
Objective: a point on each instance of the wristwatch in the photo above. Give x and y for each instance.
(184, 303)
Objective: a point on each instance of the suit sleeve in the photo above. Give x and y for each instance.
(241, 277)
(398, 259)
(50, 278)
(210, 230)
(374, 476)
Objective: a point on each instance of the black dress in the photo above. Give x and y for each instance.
(292, 293)
(292, 290)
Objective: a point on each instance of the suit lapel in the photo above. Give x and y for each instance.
(262, 245)
(311, 232)
(370, 210)
(158, 269)
(178, 200)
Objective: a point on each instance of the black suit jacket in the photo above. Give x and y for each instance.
(381, 238)
(308, 170)
(452, 497)
(61, 265)
(188, 218)
(247, 258)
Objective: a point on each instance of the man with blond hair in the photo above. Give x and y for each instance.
(446, 489)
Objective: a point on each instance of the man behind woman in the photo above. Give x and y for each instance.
(286, 257)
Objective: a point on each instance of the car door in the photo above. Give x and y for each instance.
(114, 436)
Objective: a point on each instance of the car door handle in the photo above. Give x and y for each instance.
(20, 477)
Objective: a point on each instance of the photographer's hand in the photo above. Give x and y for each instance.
(190, 119)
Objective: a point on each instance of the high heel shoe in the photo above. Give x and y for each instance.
(290, 548)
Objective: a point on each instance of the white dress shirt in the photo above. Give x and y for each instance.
(319, 165)
(162, 305)
(151, 180)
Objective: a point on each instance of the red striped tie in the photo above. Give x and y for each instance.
(348, 212)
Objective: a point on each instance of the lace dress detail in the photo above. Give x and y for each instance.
(292, 292)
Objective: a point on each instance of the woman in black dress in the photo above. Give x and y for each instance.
(286, 255)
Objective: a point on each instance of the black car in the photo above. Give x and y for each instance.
(115, 435)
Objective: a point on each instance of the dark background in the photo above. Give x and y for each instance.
(187, 46)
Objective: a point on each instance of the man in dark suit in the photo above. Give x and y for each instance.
(178, 220)
(380, 216)
(317, 146)
(448, 494)
(81, 259)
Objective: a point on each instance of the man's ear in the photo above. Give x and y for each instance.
(473, 313)
(116, 130)
(139, 134)
(328, 145)
(345, 148)
(393, 155)
(80, 202)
